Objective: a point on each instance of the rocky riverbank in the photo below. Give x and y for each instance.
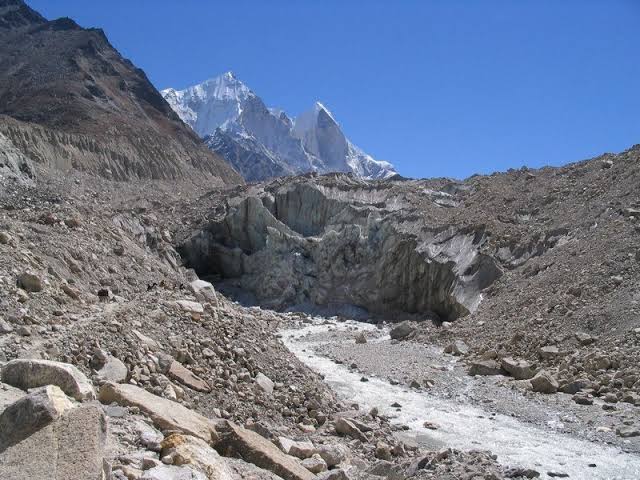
(432, 395)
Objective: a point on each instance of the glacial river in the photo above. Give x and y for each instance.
(463, 426)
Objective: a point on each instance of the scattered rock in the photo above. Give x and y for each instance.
(549, 352)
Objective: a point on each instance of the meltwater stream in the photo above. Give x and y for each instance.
(467, 427)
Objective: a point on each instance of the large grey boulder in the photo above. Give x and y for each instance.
(204, 291)
(345, 426)
(172, 472)
(28, 373)
(165, 414)
(30, 413)
(544, 382)
(30, 282)
(113, 370)
(485, 367)
(8, 395)
(251, 447)
(196, 453)
(70, 447)
(518, 369)
(401, 331)
(265, 383)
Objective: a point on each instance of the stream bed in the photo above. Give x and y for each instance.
(461, 425)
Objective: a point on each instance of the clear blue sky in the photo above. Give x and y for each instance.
(439, 88)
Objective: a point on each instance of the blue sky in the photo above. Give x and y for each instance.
(439, 88)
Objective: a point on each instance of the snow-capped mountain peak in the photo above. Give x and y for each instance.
(210, 104)
(263, 142)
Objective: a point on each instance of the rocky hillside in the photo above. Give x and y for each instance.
(68, 99)
(537, 266)
(262, 142)
(109, 347)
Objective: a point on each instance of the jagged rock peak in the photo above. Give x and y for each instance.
(263, 142)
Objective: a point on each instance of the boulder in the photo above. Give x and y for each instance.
(70, 447)
(172, 472)
(338, 474)
(518, 369)
(332, 454)
(346, 427)
(30, 282)
(113, 370)
(30, 413)
(457, 347)
(180, 373)
(265, 383)
(315, 464)
(147, 341)
(627, 432)
(402, 331)
(196, 453)
(204, 291)
(8, 395)
(577, 385)
(584, 338)
(248, 471)
(26, 373)
(485, 367)
(544, 382)
(549, 352)
(5, 327)
(251, 447)
(300, 449)
(190, 307)
(361, 338)
(165, 414)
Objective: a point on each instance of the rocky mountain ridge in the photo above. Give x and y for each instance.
(263, 142)
(68, 99)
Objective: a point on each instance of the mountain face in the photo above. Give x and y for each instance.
(262, 142)
(68, 99)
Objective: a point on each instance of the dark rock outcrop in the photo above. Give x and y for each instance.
(68, 99)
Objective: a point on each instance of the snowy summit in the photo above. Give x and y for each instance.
(263, 142)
